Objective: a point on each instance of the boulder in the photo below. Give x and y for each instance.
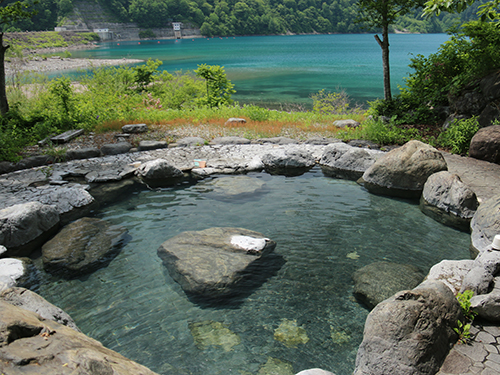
(134, 128)
(485, 224)
(230, 141)
(24, 227)
(216, 262)
(3, 250)
(485, 145)
(403, 172)
(158, 169)
(235, 188)
(30, 344)
(346, 123)
(483, 270)
(288, 161)
(379, 281)
(343, 161)
(116, 148)
(31, 301)
(15, 272)
(83, 153)
(410, 333)
(82, 246)
(151, 145)
(487, 306)
(190, 141)
(448, 200)
(451, 273)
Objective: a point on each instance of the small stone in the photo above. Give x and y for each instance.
(116, 148)
(485, 338)
(151, 145)
(346, 123)
(134, 128)
(235, 120)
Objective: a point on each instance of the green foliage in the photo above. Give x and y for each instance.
(381, 132)
(330, 102)
(255, 113)
(147, 34)
(458, 135)
(144, 74)
(463, 328)
(403, 109)
(471, 53)
(219, 88)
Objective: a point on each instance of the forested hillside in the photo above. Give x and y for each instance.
(239, 17)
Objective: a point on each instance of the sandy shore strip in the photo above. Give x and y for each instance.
(57, 64)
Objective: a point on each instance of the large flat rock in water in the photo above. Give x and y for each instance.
(216, 262)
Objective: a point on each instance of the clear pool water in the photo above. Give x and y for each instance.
(325, 229)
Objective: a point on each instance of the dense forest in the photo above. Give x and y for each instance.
(241, 17)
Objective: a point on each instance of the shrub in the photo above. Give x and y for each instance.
(330, 102)
(147, 34)
(458, 135)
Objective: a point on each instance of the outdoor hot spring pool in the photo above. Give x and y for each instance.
(325, 229)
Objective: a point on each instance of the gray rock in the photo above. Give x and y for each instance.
(83, 153)
(116, 148)
(343, 161)
(346, 123)
(487, 306)
(210, 264)
(410, 333)
(363, 144)
(484, 268)
(3, 250)
(14, 272)
(278, 141)
(448, 200)
(403, 172)
(379, 281)
(31, 344)
(288, 161)
(235, 188)
(82, 246)
(230, 141)
(23, 227)
(190, 141)
(321, 141)
(31, 301)
(451, 273)
(34, 161)
(158, 169)
(485, 145)
(134, 128)
(151, 145)
(485, 224)
(67, 198)
(235, 120)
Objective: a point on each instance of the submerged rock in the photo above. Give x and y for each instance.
(403, 172)
(30, 344)
(234, 188)
(209, 333)
(208, 264)
(276, 366)
(82, 247)
(290, 334)
(379, 281)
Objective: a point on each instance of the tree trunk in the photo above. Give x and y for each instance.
(4, 104)
(384, 44)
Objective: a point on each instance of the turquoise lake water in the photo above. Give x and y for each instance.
(325, 230)
(285, 69)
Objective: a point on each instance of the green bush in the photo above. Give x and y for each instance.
(330, 102)
(458, 135)
(147, 34)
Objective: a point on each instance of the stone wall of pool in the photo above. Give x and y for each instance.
(409, 333)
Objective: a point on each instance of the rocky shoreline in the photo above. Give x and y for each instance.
(66, 191)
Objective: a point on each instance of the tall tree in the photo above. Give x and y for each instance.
(382, 14)
(9, 14)
(487, 11)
